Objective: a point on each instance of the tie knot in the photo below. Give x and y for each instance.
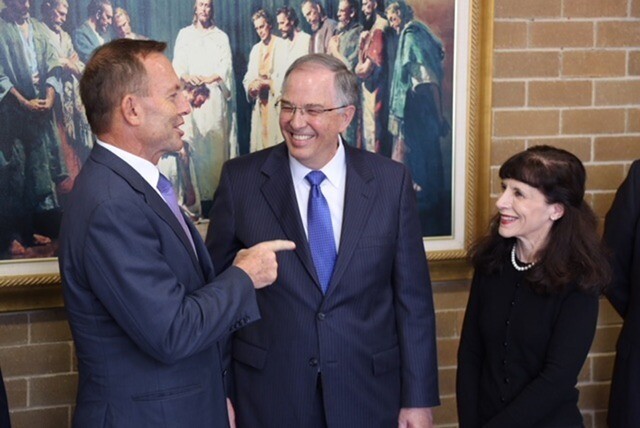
(164, 185)
(315, 177)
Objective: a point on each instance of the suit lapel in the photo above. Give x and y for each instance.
(358, 199)
(280, 195)
(206, 270)
(153, 199)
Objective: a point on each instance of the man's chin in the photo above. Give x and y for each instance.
(178, 143)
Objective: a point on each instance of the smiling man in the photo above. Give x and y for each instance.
(145, 307)
(347, 334)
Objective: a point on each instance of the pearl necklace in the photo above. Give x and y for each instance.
(515, 264)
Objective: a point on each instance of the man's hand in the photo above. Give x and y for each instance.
(254, 88)
(35, 105)
(207, 80)
(259, 261)
(232, 414)
(415, 417)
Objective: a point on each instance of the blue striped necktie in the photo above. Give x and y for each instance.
(321, 240)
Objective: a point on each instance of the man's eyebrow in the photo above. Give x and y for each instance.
(283, 101)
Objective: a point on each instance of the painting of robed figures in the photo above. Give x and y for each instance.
(231, 57)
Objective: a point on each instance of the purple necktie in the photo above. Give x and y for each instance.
(169, 196)
(321, 240)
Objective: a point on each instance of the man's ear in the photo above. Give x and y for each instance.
(131, 110)
(347, 115)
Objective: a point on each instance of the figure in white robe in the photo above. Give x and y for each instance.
(202, 56)
(263, 83)
(297, 41)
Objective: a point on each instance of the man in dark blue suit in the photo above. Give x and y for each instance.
(347, 335)
(145, 307)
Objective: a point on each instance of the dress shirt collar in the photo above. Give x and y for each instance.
(146, 169)
(333, 170)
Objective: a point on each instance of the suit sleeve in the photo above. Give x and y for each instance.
(470, 358)
(568, 347)
(144, 294)
(415, 317)
(620, 228)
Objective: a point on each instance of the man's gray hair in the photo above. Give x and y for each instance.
(345, 82)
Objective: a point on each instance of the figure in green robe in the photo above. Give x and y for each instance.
(416, 119)
(30, 162)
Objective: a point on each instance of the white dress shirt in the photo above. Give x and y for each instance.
(332, 188)
(146, 169)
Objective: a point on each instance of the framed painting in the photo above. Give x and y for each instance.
(434, 53)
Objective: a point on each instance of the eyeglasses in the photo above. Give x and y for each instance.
(289, 109)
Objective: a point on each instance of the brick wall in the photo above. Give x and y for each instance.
(38, 364)
(565, 72)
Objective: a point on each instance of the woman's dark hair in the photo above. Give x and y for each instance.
(573, 251)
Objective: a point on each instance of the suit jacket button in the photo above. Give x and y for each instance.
(321, 316)
(313, 362)
(224, 372)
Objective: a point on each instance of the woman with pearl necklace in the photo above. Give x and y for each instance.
(533, 305)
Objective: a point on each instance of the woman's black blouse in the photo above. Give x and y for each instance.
(520, 353)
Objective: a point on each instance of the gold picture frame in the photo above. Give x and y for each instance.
(452, 264)
(35, 283)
